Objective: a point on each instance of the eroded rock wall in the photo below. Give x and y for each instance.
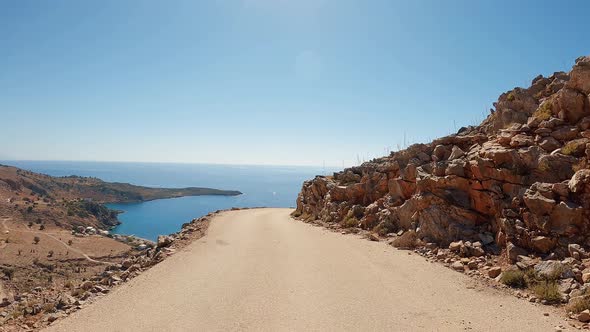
(518, 183)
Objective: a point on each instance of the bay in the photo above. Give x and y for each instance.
(268, 186)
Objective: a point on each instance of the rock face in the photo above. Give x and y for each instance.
(520, 179)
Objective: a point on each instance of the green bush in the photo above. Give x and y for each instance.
(514, 279)
(544, 111)
(547, 290)
(350, 222)
(579, 304)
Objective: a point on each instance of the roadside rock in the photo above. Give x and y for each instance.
(494, 271)
(552, 269)
(164, 241)
(514, 251)
(542, 244)
(584, 316)
(458, 266)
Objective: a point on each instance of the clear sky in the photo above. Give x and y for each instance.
(297, 82)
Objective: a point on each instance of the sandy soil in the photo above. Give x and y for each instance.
(261, 270)
(16, 236)
(85, 257)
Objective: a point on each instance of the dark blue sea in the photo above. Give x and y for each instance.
(270, 186)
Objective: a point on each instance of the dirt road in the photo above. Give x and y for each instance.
(260, 270)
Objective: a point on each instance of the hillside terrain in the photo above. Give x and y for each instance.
(513, 190)
(53, 238)
(74, 200)
(74, 187)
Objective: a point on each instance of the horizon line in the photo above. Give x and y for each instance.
(172, 162)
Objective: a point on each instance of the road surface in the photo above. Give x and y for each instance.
(260, 270)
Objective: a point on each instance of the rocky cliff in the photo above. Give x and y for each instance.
(518, 183)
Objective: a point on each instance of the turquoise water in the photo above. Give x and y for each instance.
(271, 186)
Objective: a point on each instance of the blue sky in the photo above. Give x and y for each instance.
(303, 82)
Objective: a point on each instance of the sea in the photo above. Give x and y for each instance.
(262, 186)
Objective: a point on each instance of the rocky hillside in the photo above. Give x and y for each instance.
(74, 200)
(518, 183)
(15, 179)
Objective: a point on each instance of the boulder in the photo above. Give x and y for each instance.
(575, 147)
(407, 240)
(458, 266)
(542, 244)
(576, 251)
(579, 180)
(553, 269)
(495, 271)
(52, 318)
(549, 144)
(580, 76)
(456, 167)
(456, 246)
(571, 105)
(561, 189)
(538, 203)
(456, 153)
(556, 167)
(521, 140)
(565, 133)
(86, 285)
(440, 153)
(486, 238)
(126, 263)
(514, 251)
(65, 301)
(164, 241)
(566, 218)
(584, 316)
(584, 123)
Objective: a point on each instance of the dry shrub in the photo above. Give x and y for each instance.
(544, 112)
(547, 290)
(579, 304)
(349, 222)
(514, 279)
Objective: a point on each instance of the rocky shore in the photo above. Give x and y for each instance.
(508, 199)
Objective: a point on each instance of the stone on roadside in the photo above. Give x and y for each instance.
(164, 241)
(456, 246)
(373, 237)
(552, 269)
(458, 266)
(584, 316)
(494, 271)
